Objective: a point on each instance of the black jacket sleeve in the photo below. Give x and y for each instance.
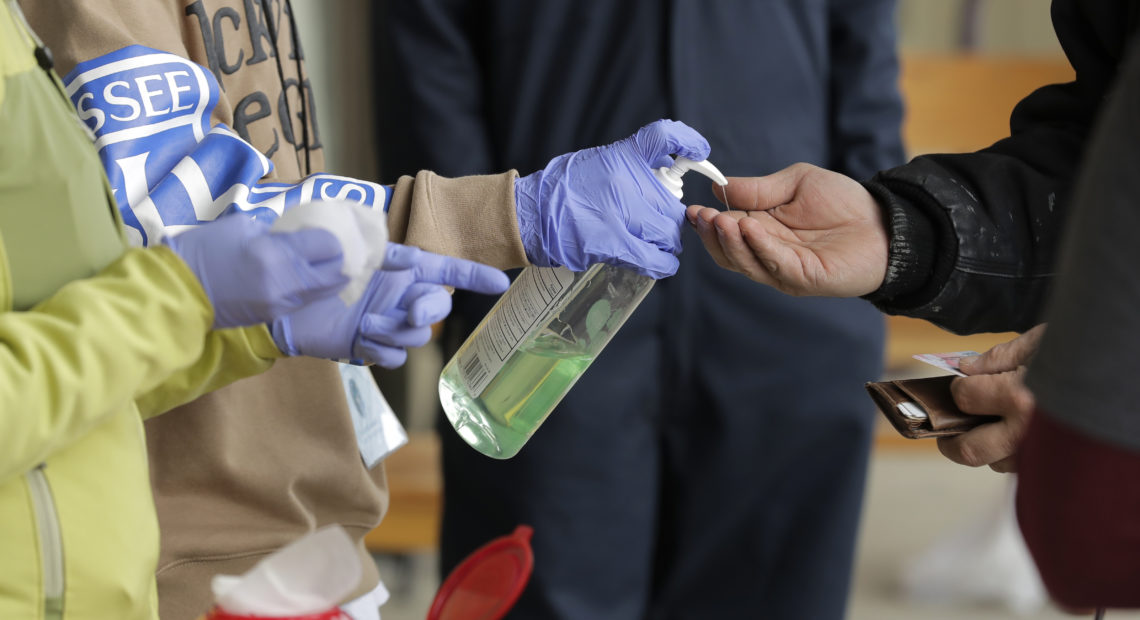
(974, 236)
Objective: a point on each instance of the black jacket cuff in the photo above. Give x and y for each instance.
(910, 251)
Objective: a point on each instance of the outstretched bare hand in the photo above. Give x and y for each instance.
(803, 230)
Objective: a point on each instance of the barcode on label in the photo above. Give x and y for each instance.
(474, 371)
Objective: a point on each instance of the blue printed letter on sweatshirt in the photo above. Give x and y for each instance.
(169, 168)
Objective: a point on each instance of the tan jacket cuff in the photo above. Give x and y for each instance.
(469, 217)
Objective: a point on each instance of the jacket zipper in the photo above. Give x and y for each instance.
(51, 542)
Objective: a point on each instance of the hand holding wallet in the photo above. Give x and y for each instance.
(920, 408)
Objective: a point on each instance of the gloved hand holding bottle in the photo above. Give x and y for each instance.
(402, 300)
(604, 205)
(609, 218)
(253, 276)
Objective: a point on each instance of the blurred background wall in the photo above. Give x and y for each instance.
(1019, 27)
(337, 36)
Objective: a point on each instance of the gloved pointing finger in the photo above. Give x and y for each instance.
(446, 270)
(460, 273)
(400, 256)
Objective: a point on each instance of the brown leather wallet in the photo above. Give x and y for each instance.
(919, 408)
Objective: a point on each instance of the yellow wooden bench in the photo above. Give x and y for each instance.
(415, 487)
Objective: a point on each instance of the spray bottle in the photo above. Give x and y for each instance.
(537, 341)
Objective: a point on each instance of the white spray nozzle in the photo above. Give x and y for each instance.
(671, 177)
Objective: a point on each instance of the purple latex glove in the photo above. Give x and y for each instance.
(603, 205)
(253, 276)
(405, 296)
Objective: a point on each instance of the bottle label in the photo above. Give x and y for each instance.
(529, 300)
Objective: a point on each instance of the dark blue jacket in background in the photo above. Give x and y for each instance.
(711, 462)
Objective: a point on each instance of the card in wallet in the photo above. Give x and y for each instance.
(919, 408)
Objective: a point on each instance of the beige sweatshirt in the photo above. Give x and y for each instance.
(248, 468)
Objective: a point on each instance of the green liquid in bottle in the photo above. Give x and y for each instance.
(531, 382)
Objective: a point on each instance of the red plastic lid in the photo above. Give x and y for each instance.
(486, 585)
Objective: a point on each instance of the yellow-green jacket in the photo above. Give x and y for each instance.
(87, 327)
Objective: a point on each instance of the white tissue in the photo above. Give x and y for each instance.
(308, 576)
(361, 230)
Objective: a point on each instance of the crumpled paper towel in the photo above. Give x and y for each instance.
(308, 576)
(361, 230)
